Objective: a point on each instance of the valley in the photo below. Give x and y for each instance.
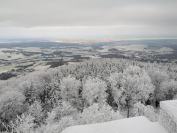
(27, 56)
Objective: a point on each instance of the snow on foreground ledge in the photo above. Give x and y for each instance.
(129, 125)
(170, 107)
(168, 115)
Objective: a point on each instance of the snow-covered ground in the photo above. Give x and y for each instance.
(170, 107)
(10, 56)
(130, 125)
(168, 115)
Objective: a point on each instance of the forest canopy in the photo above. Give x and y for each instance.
(82, 93)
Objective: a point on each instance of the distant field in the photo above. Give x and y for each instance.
(6, 68)
(39, 55)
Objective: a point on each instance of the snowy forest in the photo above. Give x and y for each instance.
(88, 92)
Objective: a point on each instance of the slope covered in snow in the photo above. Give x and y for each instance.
(170, 107)
(168, 115)
(130, 125)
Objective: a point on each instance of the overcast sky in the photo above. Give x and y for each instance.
(88, 19)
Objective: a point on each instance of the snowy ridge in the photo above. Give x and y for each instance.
(129, 125)
(168, 115)
(170, 107)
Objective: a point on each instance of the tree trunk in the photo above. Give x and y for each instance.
(128, 112)
(128, 108)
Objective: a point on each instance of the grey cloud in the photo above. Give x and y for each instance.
(157, 14)
(86, 12)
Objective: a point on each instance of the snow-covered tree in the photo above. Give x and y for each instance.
(23, 124)
(57, 127)
(94, 91)
(70, 88)
(59, 118)
(120, 83)
(157, 77)
(148, 111)
(35, 110)
(64, 109)
(96, 113)
(132, 86)
(11, 105)
(168, 89)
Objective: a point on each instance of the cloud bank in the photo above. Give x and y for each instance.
(88, 18)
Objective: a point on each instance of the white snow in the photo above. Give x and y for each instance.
(10, 56)
(170, 107)
(129, 125)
